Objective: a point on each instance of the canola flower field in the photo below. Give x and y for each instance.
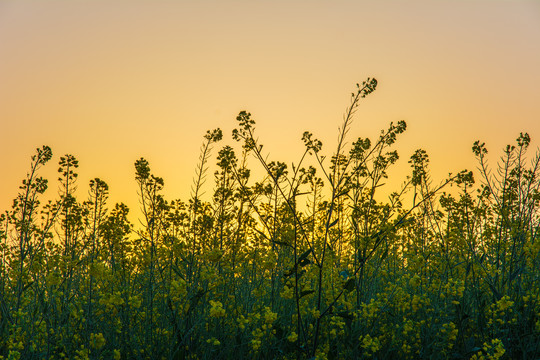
(304, 263)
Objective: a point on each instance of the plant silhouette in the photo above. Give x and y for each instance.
(304, 263)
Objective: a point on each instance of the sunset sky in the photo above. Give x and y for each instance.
(111, 81)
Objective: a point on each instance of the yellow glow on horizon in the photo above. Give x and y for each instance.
(113, 81)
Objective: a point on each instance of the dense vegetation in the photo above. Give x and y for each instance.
(304, 264)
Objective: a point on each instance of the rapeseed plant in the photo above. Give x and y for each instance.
(305, 263)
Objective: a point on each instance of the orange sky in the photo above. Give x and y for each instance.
(111, 81)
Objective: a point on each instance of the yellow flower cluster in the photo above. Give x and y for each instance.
(504, 303)
(337, 326)
(408, 326)
(287, 293)
(213, 341)
(369, 311)
(369, 344)
(116, 355)
(415, 302)
(12, 355)
(242, 322)
(292, 337)
(216, 309)
(178, 289)
(135, 301)
(82, 354)
(97, 341)
(493, 351)
(269, 316)
(256, 341)
(453, 289)
(500, 310)
(449, 332)
(112, 301)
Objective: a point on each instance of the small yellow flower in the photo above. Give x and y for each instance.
(269, 316)
(216, 309)
(293, 337)
(287, 293)
(255, 344)
(97, 341)
(371, 345)
(213, 341)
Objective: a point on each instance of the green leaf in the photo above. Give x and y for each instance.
(350, 284)
(304, 256)
(345, 315)
(305, 293)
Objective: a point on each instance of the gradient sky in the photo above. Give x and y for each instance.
(111, 81)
